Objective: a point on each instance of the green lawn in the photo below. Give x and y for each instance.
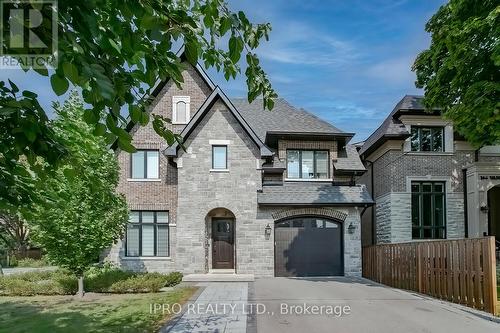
(93, 313)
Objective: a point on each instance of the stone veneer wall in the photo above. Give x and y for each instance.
(200, 191)
(393, 216)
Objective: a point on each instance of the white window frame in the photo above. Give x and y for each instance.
(175, 100)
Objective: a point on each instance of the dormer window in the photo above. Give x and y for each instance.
(427, 138)
(180, 109)
(307, 164)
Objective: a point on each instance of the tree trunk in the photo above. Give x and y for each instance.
(80, 286)
(1, 271)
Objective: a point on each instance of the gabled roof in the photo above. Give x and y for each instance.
(284, 119)
(314, 193)
(158, 86)
(206, 106)
(392, 127)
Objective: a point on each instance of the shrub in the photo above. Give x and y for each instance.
(29, 262)
(173, 279)
(58, 282)
(142, 283)
(100, 279)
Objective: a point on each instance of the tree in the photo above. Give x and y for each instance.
(82, 214)
(115, 51)
(460, 72)
(14, 233)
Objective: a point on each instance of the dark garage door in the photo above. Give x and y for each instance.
(308, 246)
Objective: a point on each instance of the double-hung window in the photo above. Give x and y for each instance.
(145, 164)
(428, 210)
(427, 138)
(147, 234)
(307, 164)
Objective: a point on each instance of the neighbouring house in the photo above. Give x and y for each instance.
(269, 193)
(418, 169)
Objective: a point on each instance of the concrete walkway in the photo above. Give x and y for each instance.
(373, 308)
(19, 270)
(221, 307)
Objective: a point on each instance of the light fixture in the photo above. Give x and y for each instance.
(484, 208)
(267, 231)
(351, 228)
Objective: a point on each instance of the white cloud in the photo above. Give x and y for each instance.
(393, 71)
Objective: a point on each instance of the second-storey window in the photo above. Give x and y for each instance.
(147, 234)
(219, 157)
(145, 164)
(307, 164)
(427, 139)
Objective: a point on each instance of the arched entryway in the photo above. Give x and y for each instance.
(494, 212)
(220, 226)
(308, 245)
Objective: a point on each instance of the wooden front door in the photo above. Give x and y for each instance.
(222, 243)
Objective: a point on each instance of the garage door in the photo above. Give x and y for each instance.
(308, 246)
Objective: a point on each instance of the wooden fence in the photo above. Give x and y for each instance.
(461, 271)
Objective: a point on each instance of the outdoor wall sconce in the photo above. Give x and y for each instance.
(267, 231)
(351, 228)
(484, 208)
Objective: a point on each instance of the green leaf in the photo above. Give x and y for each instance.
(114, 45)
(225, 25)
(59, 84)
(235, 48)
(70, 71)
(100, 129)
(90, 116)
(13, 87)
(126, 146)
(144, 118)
(191, 51)
(29, 94)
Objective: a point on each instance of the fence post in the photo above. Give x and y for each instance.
(490, 278)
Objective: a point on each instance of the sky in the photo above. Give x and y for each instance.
(348, 62)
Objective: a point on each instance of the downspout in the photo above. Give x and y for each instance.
(466, 217)
(374, 239)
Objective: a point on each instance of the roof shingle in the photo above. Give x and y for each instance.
(314, 193)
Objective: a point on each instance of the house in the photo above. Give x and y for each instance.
(418, 169)
(252, 191)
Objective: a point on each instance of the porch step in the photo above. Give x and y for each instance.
(218, 277)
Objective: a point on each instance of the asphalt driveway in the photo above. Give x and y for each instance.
(356, 305)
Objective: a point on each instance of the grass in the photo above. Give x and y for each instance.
(92, 313)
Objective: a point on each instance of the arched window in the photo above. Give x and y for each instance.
(180, 112)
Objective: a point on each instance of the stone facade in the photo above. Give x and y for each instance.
(193, 194)
(393, 172)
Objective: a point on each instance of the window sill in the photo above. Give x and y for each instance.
(220, 170)
(308, 180)
(144, 179)
(431, 153)
(177, 123)
(146, 258)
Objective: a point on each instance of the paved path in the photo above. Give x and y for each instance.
(373, 308)
(19, 270)
(221, 307)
